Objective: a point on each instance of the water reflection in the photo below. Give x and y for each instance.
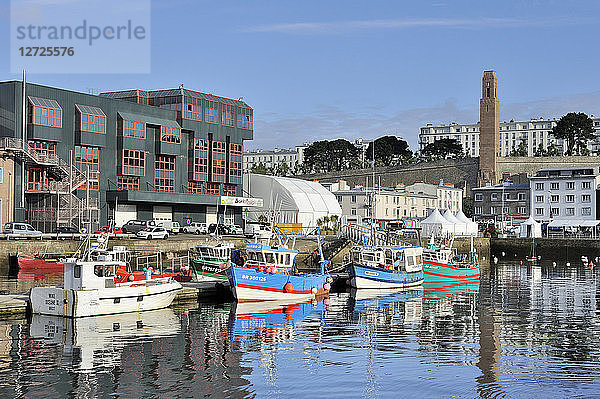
(522, 331)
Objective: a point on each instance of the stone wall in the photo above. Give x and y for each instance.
(530, 165)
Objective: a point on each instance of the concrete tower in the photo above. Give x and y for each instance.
(489, 129)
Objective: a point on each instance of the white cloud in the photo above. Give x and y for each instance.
(329, 122)
(338, 27)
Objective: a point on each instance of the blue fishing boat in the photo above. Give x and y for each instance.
(264, 272)
(382, 267)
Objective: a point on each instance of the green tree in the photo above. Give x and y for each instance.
(467, 206)
(540, 151)
(389, 150)
(552, 150)
(444, 148)
(520, 151)
(283, 169)
(259, 169)
(324, 156)
(575, 129)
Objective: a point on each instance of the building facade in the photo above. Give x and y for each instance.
(505, 202)
(532, 134)
(448, 196)
(565, 194)
(274, 159)
(87, 159)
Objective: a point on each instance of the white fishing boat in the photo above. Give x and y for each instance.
(92, 287)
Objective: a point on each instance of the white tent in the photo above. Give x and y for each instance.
(290, 200)
(436, 224)
(471, 226)
(459, 227)
(530, 228)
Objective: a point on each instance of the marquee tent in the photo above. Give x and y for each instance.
(471, 226)
(459, 227)
(436, 224)
(530, 228)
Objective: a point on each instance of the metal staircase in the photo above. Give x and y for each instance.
(67, 208)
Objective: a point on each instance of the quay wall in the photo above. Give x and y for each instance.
(548, 248)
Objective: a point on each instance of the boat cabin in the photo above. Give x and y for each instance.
(219, 251)
(91, 275)
(266, 255)
(405, 259)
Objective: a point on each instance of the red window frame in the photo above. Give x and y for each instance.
(245, 118)
(196, 187)
(164, 173)
(229, 189)
(235, 163)
(46, 115)
(84, 156)
(212, 188)
(211, 111)
(218, 161)
(192, 108)
(227, 115)
(199, 160)
(133, 162)
(134, 129)
(128, 183)
(45, 149)
(38, 179)
(170, 134)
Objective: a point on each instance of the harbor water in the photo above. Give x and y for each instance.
(523, 331)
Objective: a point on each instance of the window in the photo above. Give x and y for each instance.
(539, 211)
(229, 189)
(494, 210)
(88, 157)
(478, 210)
(44, 149)
(92, 119)
(218, 161)
(199, 161)
(570, 198)
(211, 111)
(170, 134)
(539, 186)
(125, 183)
(585, 185)
(570, 185)
(570, 211)
(195, 187)
(554, 198)
(522, 210)
(1, 175)
(45, 112)
(506, 196)
(235, 163)
(133, 163)
(212, 188)
(554, 212)
(353, 211)
(586, 211)
(521, 196)
(478, 197)
(494, 196)
(505, 210)
(164, 173)
(192, 108)
(227, 111)
(586, 198)
(244, 118)
(134, 129)
(38, 179)
(353, 198)
(553, 186)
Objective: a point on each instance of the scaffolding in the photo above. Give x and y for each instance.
(52, 202)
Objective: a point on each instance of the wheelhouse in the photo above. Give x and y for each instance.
(266, 255)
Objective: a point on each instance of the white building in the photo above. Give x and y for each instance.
(448, 196)
(565, 194)
(274, 158)
(532, 133)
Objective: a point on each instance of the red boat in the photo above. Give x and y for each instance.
(41, 263)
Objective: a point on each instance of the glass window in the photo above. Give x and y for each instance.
(478, 197)
(244, 118)
(539, 186)
(170, 134)
(218, 161)
(235, 163)
(45, 112)
(134, 129)
(164, 173)
(133, 163)
(88, 158)
(92, 119)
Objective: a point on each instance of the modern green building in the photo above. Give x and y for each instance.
(87, 159)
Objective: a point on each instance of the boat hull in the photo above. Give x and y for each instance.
(208, 270)
(39, 265)
(441, 272)
(249, 285)
(378, 278)
(57, 301)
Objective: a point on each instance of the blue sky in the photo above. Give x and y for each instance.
(326, 69)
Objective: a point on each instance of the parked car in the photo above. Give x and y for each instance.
(153, 232)
(219, 229)
(234, 229)
(21, 230)
(133, 226)
(170, 226)
(109, 230)
(195, 228)
(257, 230)
(67, 233)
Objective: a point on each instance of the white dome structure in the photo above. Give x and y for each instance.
(291, 200)
(436, 224)
(459, 227)
(471, 226)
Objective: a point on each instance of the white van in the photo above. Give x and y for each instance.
(169, 225)
(257, 230)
